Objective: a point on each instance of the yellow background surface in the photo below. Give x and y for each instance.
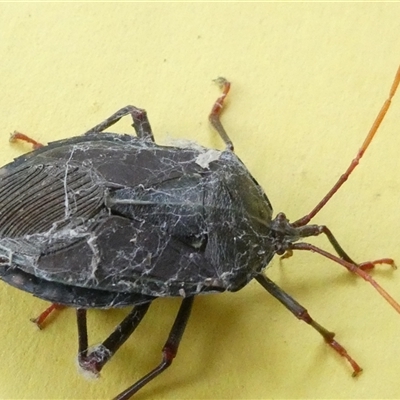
(307, 83)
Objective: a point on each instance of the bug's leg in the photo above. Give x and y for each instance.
(216, 110)
(350, 267)
(343, 255)
(316, 230)
(301, 313)
(140, 122)
(93, 360)
(170, 349)
(21, 136)
(43, 316)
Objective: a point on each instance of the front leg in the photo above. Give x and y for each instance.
(21, 136)
(140, 122)
(302, 314)
(316, 230)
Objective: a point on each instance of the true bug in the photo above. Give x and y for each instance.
(105, 220)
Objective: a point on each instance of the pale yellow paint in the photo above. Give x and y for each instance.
(307, 82)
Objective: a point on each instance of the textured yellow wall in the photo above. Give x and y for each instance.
(307, 82)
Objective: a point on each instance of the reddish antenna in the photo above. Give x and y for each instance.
(381, 115)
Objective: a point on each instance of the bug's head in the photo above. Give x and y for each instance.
(283, 234)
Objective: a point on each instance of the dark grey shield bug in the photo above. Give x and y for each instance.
(106, 220)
